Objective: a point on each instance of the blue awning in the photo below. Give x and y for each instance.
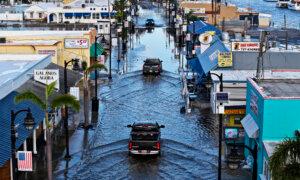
(209, 58)
(106, 14)
(78, 14)
(201, 27)
(86, 14)
(7, 104)
(69, 15)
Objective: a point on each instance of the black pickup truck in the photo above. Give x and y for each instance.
(144, 139)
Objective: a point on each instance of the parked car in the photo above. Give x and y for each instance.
(152, 66)
(144, 139)
(150, 23)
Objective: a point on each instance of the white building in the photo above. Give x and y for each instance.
(39, 11)
(83, 11)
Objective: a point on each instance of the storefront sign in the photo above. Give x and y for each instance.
(214, 55)
(77, 43)
(231, 133)
(245, 46)
(225, 59)
(47, 76)
(222, 97)
(50, 52)
(235, 111)
(253, 103)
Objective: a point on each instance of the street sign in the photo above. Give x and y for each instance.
(74, 91)
(222, 97)
(24, 160)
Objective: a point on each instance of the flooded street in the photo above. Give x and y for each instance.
(189, 142)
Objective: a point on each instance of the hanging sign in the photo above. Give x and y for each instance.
(225, 59)
(47, 76)
(222, 97)
(80, 43)
(74, 91)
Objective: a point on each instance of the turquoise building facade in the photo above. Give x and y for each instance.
(272, 114)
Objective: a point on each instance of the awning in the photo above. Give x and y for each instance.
(78, 14)
(209, 58)
(86, 14)
(69, 15)
(250, 126)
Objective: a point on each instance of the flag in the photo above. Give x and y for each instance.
(24, 160)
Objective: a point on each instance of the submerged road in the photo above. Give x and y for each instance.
(189, 142)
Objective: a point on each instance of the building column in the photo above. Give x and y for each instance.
(34, 142)
(44, 128)
(25, 145)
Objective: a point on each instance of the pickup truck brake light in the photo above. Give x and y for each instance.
(130, 145)
(158, 145)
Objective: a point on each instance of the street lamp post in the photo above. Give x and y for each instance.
(29, 124)
(220, 128)
(75, 67)
(254, 155)
(109, 15)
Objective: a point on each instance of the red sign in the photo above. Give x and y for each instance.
(245, 46)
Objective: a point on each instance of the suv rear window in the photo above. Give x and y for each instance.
(152, 61)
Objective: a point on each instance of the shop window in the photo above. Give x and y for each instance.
(226, 119)
(237, 120)
(100, 27)
(97, 16)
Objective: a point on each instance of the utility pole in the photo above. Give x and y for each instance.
(286, 33)
(262, 49)
(110, 51)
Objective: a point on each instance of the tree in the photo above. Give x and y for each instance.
(87, 71)
(57, 102)
(285, 161)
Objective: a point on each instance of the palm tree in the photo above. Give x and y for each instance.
(57, 102)
(87, 71)
(285, 161)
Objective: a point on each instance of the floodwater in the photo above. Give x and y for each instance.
(189, 141)
(292, 17)
(189, 147)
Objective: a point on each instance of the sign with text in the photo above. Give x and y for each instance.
(245, 46)
(225, 59)
(44, 51)
(47, 76)
(222, 97)
(81, 43)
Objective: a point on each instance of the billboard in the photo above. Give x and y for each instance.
(225, 59)
(245, 46)
(80, 43)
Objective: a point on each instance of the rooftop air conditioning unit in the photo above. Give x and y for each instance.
(2, 40)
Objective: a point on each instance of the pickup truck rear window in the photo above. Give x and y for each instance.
(145, 137)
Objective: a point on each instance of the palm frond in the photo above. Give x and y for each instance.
(30, 96)
(66, 100)
(50, 88)
(95, 67)
(285, 159)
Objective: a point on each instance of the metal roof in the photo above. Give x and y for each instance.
(242, 75)
(209, 58)
(7, 104)
(202, 27)
(280, 88)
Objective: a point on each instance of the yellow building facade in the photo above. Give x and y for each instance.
(61, 45)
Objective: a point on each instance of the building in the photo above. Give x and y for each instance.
(39, 11)
(224, 12)
(17, 73)
(272, 115)
(61, 45)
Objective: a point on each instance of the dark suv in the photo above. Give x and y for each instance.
(150, 23)
(152, 66)
(144, 139)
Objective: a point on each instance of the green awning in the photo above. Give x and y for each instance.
(99, 50)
